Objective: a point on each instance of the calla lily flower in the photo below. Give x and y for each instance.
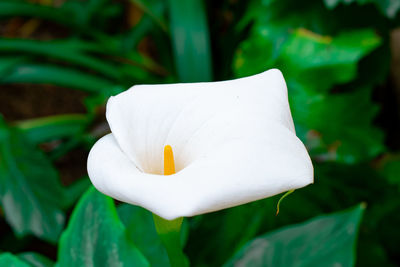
(234, 142)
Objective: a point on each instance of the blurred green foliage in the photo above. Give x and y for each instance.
(301, 245)
(334, 54)
(7, 259)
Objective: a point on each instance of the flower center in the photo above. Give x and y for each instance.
(169, 163)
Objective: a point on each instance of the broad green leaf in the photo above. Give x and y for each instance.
(61, 76)
(190, 40)
(95, 236)
(52, 127)
(272, 23)
(141, 230)
(346, 184)
(30, 190)
(9, 260)
(35, 259)
(306, 56)
(327, 240)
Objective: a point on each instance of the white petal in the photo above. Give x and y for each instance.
(113, 174)
(234, 142)
(146, 117)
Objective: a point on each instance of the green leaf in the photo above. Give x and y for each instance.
(20, 8)
(30, 190)
(71, 14)
(346, 133)
(131, 39)
(35, 73)
(388, 7)
(306, 56)
(7, 63)
(260, 51)
(141, 230)
(327, 240)
(52, 127)
(9, 260)
(190, 40)
(95, 236)
(230, 229)
(35, 259)
(65, 50)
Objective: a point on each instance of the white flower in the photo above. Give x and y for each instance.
(234, 142)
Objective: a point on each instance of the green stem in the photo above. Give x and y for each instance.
(170, 235)
(280, 200)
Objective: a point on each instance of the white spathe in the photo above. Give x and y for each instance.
(233, 141)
